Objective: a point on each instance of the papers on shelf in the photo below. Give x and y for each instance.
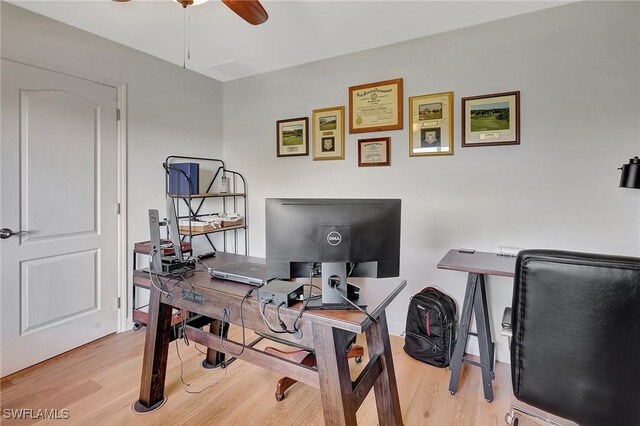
(211, 223)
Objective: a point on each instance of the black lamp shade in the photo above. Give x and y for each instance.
(630, 177)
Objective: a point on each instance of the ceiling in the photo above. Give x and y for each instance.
(225, 47)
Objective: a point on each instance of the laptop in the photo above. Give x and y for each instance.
(242, 272)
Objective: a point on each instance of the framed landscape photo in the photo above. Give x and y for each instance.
(292, 137)
(374, 152)
(328, 133)
(376, 107)
(431, 124)
(491, 119)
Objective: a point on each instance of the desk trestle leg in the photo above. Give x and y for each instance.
(342, 397)
(475, 301)
(335, 379)
(156, 350)
(485, 344)
(385, 388)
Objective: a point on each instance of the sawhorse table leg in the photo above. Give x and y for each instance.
(340, 396)
(475, 301)
(156, 349)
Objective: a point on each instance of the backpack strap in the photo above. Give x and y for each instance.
(432, 290)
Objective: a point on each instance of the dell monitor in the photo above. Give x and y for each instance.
(348, 237)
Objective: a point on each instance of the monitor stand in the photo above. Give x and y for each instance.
(164, 265)
(334, 280)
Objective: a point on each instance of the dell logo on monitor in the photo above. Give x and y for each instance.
(334, 238)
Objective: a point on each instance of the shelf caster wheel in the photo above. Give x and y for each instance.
(279, 397)
(137, 327)
(453, 393)
(510, 419)
(489, 400)
(358, 359)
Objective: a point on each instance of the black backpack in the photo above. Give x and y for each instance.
(430, 333)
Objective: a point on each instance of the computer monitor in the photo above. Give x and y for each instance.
(349, 237)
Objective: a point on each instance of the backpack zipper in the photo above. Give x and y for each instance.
(438, 304)
(435, 348)
(439, 297)
(427, 323)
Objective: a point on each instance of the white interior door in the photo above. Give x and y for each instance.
(58, 158)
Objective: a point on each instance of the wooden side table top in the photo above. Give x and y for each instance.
(479, 262)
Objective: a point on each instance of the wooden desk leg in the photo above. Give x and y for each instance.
(214, 358)
(463, 333)
(333, 372)
(485, 344)
(154, 361)
(386, 388)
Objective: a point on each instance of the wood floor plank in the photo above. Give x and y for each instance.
(99, 382)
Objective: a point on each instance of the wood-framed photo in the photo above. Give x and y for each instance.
(292, 137)
(374, 152)
(376, 107)
(431, 124)
(491, 119)
(328, 133)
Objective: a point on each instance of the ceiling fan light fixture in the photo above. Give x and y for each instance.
(185, 3)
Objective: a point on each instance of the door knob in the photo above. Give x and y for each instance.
(6, 233)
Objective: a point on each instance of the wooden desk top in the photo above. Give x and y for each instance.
(377, 293)
(479, 262)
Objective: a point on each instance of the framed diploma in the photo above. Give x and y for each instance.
(328, 133)
(491, 119)
(376, 107)
(292, 137)
(431, 124)
(374, 152)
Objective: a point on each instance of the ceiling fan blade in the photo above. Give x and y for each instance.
(249, 10)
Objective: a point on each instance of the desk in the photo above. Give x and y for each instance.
(477, 264)
(325, 331)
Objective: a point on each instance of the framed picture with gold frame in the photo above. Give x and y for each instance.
(328, 133)
(376, 107)
(431, 124)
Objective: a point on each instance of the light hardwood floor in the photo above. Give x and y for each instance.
(98, 383)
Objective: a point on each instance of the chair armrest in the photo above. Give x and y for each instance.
(506, 322)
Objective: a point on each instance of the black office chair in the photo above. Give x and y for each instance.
(575, 348)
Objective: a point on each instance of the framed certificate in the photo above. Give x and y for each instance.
(376, 107)
(431, 124)
(328, 133)
(374, 152)
(491, 119)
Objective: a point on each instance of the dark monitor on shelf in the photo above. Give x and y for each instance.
(348, 237)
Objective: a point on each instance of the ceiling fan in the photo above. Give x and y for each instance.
(249, 10)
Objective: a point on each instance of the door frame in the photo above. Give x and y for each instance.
(125, 322)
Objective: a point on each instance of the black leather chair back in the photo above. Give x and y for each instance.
(575, 350)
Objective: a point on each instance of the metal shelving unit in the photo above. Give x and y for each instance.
(196, 206)
(202, 205)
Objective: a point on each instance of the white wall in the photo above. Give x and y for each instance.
(169, 110)
(578, 72)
